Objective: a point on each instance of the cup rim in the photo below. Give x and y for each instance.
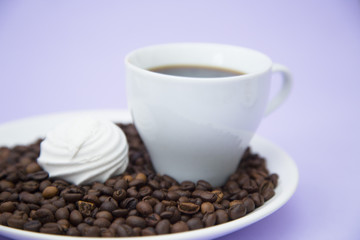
(133, 66)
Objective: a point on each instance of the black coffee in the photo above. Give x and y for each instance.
(196, 71)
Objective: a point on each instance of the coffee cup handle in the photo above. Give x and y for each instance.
(283, 93)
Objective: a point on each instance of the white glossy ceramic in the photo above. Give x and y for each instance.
(198, 128)
(27, 130)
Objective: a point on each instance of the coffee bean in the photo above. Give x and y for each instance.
(51, 228)
(104, 214)
(24, 208)
(85, 208)
(75, 217)
(49, 206)
(207, 207)
(237, 211)
(72, 197)
(163, 227)
(32, 225)
(141, 176)
(195, 223)
(209, 219)
(154, 184)
(4, 217)
(274, 179)
(92, 199)
(145, 191)
(30, 186)
(38, 176)
(107, 232)
(109, 205)
(179, 227)
(7, 207)
(33, 167)
(73, 231)
(89, 220)
(107, 190)
(120, 212)
(205, 195)
(44, 215)
(64, 224)
(121, 184)
(50, 192)
(188, 208)
(92, 231)
(144, 208)
(152, 219)
(17, 220)
(129, 203)
(203, 185)
(149, 231)
(119, 195)
(258, 199)
(102, 223)
(221, 216)
(4, 196)
(136, 221)
(124, 230)
(62, 213)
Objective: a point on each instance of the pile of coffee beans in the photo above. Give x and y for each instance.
(136, 203)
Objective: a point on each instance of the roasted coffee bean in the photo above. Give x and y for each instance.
(4, 217)
(24, 208)
(209, 219)
(44, 215)
(172, 195)
(104, 214)
(149, 231)
(119, 195)
(152, 219)
(219, 195)
(92, 199)
(154, 184)
(102, 223)
(59, 203)
(32, 225)
(109, 205)
(207, 207)
(203, 185)
(92, 231)
(51, 228)
(49, 206)
(195, 223)
(75, 217)
(249, 204)
(129, 203)
(163, 227)
(144, 208)
(124, 230)
(30, 186)
(7, 207)
(188, 208)
(81, 227)
(274, 179)
(33, 167)
(104, 232)
(85, 208)
(64, 224)
(205, 195)
(121, 184)
(221, 216)
(43, 184)
(29, 198)
(237, 211)
(62, 213)
(257, 198)
(107, 190)
(120, 212)
(89, 220)
(141, 176)
(179, 227)
(38, 176)
(17, 220)
(187, 186)
(72, 196)
(159, 194)
(136, 221)
(73, 231)
(250, 186)
(4, 196)
(50, 191)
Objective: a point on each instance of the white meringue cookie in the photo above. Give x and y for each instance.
(84, 150)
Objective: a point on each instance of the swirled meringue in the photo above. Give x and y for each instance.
(84, 150)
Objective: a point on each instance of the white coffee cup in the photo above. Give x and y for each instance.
(199, 128)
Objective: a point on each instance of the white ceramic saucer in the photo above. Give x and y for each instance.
(27, 130)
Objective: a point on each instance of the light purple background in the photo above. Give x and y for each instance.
(68, 55)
